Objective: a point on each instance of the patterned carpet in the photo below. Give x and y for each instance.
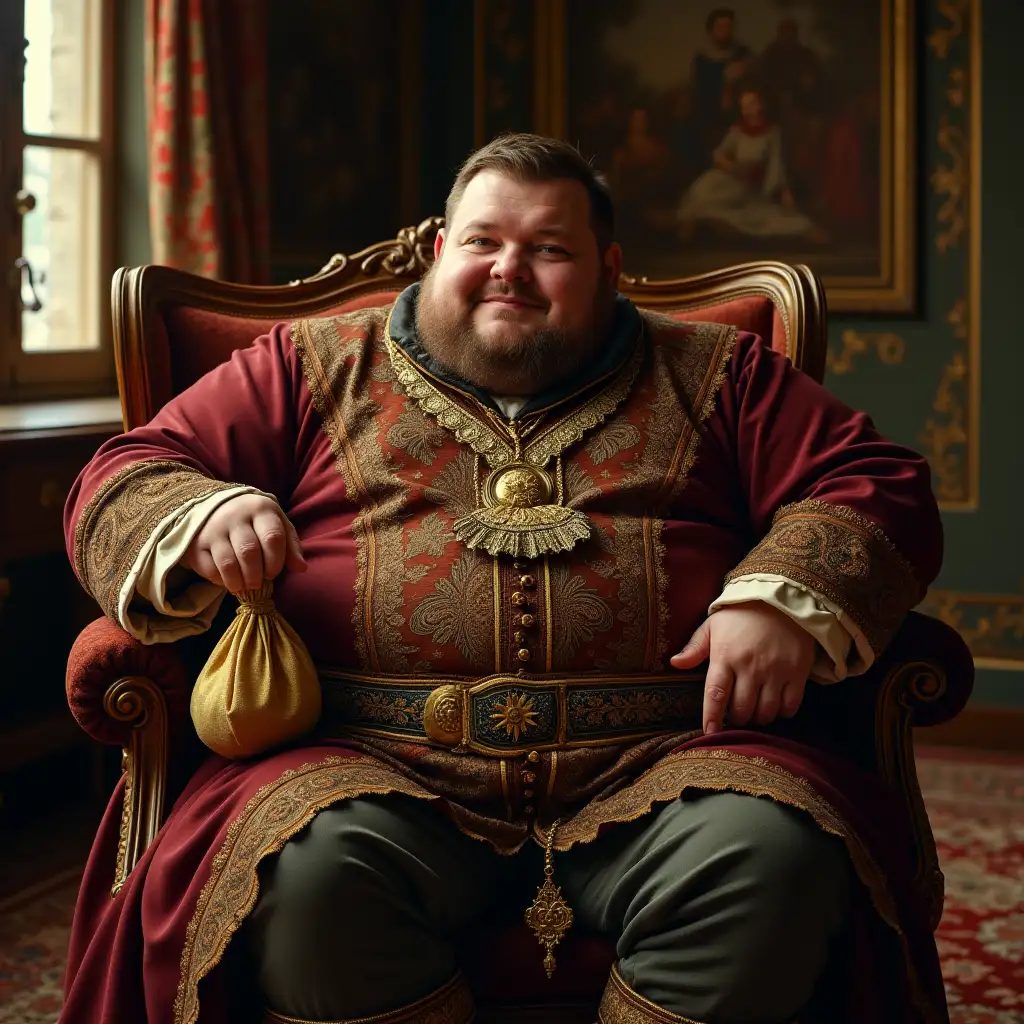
(977, 812)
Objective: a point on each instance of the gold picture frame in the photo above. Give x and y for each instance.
(876, 276)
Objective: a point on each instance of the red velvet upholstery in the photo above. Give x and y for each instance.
(754, 313)
(103, 653)
(222, 333)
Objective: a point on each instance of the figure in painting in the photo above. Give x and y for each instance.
(718, 70)
(747, 190)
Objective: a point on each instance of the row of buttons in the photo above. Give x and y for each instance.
(525, 612)
(521, 601)
(529, 777)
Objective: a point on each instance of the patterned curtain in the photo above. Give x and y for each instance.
(206, 79)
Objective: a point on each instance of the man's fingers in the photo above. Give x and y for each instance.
(697, 648)
(273, 540)
(768, 703)
(745, 694)
(226, 563)
(201, 562)
(792, 698)
(294, 558)
(718, 686)
(249, 554)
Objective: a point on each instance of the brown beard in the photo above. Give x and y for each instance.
(538, 361)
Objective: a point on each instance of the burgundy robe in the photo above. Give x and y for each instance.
(703, 457)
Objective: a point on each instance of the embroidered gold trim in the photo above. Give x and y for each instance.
(274, 814)
(122, 515)
(349, 416)
(838, 553)
(450, 1004)
(480, 434)
(621, 1005)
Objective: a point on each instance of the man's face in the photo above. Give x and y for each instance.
(721, 30)
(519, 296)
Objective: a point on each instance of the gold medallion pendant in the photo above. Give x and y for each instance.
(519, 518)
(521, 509)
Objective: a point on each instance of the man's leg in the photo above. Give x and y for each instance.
(356, 913)
(724, 905)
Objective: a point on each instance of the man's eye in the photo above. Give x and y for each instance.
(553, 249)
(480, 241)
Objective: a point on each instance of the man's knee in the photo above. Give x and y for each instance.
(778, 861)
(340, 860)
(735, 917)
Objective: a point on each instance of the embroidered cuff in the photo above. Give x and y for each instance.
(844, 559)
(160, 600)
(842, 649)
(122, 518)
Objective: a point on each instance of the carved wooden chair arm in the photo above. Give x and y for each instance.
(926, 678)
(135, 695)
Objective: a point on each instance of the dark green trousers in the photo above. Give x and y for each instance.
(722, 906)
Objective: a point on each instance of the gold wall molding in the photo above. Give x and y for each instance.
(992, 625)
(888, 347)
(951, 438)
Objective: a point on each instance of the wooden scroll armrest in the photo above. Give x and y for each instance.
(135, 695)
(927, 674)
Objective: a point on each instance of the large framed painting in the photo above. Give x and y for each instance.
(759, 129)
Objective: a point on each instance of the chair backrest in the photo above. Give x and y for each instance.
(171, 327)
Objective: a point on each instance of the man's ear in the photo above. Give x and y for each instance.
(613, 263)
(438, 244)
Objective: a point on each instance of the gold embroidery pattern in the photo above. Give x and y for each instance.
(638, 708)
(417, 435)
(689, 358)
(454, 488)
(579, 487)
(839, 554)
(460, 610)
(577, 614)
(621, 1005)
(451, 1004)
(431, 537)
(349, 415)
(617, 436)
(484, 439)
(122, 515)
(628, 548)
(276, 813)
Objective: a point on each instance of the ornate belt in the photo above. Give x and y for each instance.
(505, 714)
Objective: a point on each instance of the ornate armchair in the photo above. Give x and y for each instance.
(171, 327)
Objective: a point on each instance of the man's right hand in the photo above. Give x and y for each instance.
(247, 540)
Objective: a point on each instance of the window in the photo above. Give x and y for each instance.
(56, 165)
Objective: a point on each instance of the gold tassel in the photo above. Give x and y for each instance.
(549, 917)
(259, 687)
(522, 532)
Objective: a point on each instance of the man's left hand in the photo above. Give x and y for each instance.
(759, 661)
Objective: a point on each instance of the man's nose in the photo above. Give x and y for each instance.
(511, 265)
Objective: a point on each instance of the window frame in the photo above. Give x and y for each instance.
(49, 375)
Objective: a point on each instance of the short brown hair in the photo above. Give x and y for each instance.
(525, 157)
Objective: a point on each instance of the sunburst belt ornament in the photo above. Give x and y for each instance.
(518, 518)
(516, 716)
